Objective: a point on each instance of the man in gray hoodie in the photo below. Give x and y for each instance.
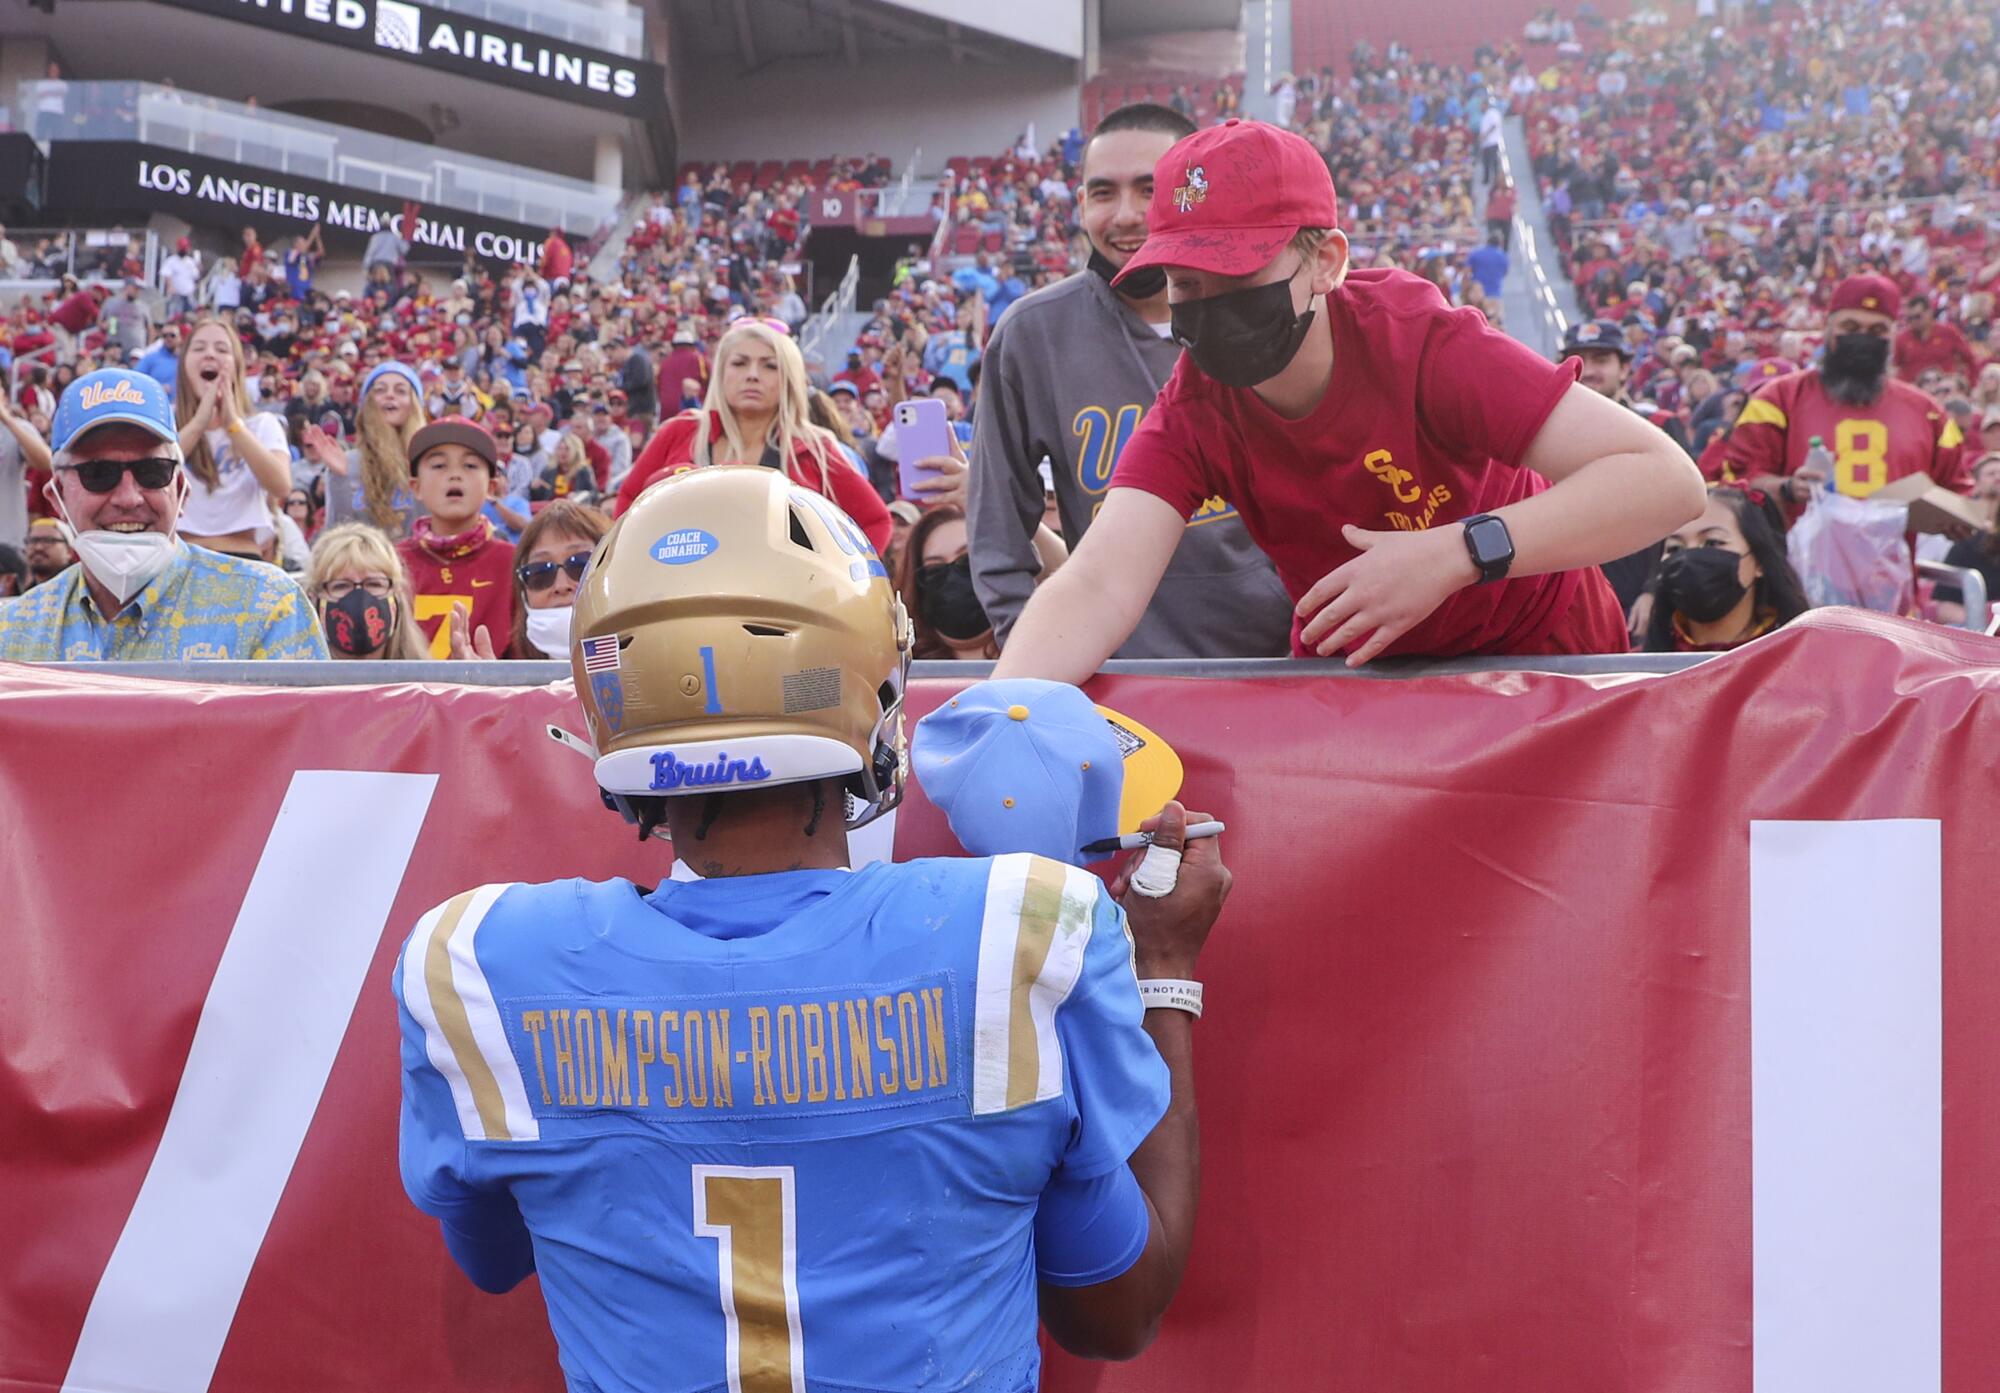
(1068, 374)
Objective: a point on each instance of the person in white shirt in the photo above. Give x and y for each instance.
(225, 287)
(180, 272)
(1490, 136)
(237, 461)
(21, 448)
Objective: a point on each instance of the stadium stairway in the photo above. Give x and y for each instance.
(604, 264)
(1537, 300)
(1267, 52)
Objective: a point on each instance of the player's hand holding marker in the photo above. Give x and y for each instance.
(1398, 579)
(1169, 926)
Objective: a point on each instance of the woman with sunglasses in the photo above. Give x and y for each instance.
(549, 560)
(759, 412)
(361, 593)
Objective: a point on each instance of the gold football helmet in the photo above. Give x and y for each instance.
(736, 631)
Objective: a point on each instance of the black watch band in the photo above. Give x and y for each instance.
(1490, 545)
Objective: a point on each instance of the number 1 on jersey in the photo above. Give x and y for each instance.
(749, 1211)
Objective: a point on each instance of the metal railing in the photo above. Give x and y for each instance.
(71, 253)
(337, 673)
(1971, 589)
(171, 119)
(812, 334)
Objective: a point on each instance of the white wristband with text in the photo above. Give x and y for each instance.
(1171, 994)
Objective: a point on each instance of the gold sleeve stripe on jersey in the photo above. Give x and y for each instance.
(1761, 412)
(1031, 948)
(468, 1021)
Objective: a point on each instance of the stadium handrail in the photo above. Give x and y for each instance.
(337, 673)
(812, 334)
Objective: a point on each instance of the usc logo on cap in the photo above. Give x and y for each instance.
(1194, 191)
(1869, 302)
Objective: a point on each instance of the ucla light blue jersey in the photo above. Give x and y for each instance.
(780, 1132)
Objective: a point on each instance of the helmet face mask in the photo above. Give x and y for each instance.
(733, 632)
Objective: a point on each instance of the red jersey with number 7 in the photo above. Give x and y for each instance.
(473, 569)
(1902, 432)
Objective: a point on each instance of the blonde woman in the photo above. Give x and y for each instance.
(236, 459)
(371, 483)
(361, 593)
(758, 411)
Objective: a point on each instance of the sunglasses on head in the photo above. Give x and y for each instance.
(102, 475)
(540, 575)
(776, 326)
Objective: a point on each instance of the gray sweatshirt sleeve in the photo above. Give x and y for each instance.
(1004, 491)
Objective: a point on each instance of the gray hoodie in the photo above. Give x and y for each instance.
(1068, 374)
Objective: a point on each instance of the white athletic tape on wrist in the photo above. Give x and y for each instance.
(1159, 871)
(1171, 994)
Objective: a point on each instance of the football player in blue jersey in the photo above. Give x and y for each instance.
(794, 1126)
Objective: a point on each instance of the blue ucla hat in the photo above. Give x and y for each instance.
(1021, 765)
(108, 396)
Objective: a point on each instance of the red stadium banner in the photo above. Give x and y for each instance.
(1565, 1034)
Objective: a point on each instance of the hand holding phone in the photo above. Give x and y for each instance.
(922, 432)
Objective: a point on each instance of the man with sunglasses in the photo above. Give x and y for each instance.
(138, 592)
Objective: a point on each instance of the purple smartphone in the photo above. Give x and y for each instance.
(922, 432)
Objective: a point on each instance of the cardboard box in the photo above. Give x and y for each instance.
(1932, 508)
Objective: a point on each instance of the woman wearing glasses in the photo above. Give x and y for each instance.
(361, 592)
(549, 560)
(758, 412)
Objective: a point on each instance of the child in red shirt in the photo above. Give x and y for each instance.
(455, 563)
(1424, 485)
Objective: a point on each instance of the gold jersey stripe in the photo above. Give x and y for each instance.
(1760, 412)
(1041, 911)
(449, 1009)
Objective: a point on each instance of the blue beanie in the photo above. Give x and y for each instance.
(402, 370)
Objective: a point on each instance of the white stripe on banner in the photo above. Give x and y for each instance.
(1847, 1094)
(272, 1022)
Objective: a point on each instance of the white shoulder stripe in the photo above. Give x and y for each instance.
(449, 996)
(1032, 942)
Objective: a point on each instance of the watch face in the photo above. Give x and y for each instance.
(1490, 542)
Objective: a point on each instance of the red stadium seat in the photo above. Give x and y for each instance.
(769, 173)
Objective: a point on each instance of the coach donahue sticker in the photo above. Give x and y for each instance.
(688, 544)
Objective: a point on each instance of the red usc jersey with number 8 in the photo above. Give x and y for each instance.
(1902, 432)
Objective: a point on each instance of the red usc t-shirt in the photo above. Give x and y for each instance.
(1424, 425)
(1902, 432)
(481, 579)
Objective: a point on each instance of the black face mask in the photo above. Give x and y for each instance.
(1142, 284)
(1854, 365)
(359, 623)
(948, 601)
(1703, 583)
(1244, 337)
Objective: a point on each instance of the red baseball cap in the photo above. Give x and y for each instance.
(1875, 293)
(1226, 200)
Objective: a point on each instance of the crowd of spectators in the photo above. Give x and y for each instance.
(1707, 184)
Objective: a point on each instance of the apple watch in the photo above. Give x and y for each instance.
(1492, 549)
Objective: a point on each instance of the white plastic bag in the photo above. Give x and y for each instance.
(1849, 551)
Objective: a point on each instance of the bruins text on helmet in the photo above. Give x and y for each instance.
(735, 631)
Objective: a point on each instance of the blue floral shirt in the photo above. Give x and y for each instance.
(203, 605)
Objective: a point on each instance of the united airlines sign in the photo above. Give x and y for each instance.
(454, 42)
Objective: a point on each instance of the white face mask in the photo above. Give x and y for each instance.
(548, 630)
(122, 562)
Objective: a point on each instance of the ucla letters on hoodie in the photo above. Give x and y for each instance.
(796, 1123)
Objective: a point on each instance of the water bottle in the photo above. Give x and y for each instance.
(1820, 458)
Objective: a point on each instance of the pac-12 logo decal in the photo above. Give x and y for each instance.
(610, 695)
(688, 544)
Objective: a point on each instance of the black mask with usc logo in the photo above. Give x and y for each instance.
(359, 624)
